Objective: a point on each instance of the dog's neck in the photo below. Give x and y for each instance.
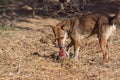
(69, 27)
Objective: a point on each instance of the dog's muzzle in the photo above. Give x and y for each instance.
(62, 52)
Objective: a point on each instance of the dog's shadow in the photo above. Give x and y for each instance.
(53, 57)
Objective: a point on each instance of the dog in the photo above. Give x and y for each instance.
(80, 27)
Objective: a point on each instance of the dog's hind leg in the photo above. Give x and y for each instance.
(103, 45)
(108, 44)
(105, 34)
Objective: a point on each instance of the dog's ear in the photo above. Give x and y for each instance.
(63, 22)
(64, 25)
(52, 26)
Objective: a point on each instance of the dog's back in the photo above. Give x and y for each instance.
(89, 24)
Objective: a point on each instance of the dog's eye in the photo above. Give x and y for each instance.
(62, 37)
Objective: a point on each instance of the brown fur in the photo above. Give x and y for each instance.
(81, 27)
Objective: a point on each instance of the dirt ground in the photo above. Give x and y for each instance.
(25, 54)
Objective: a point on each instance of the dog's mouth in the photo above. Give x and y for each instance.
(62, 52)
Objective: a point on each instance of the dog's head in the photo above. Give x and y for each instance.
(116, 19)
(60, 33)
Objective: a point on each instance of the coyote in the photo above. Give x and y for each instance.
(80, 27)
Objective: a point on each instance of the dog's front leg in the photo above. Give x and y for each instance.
(68, 49)
(76, 49)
